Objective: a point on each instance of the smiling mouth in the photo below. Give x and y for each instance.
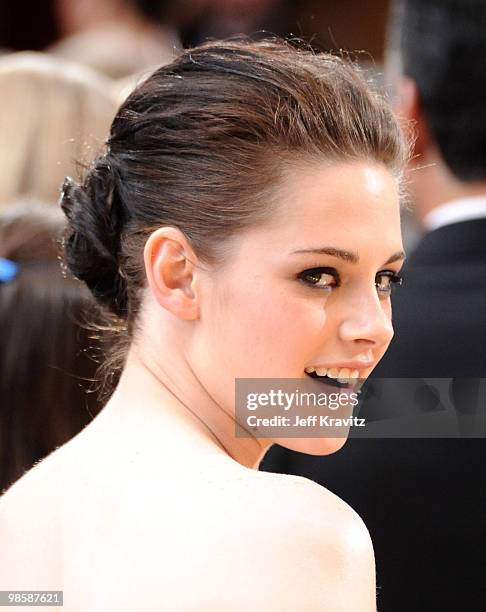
(333, 382)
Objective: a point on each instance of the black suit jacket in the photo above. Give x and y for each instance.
(423, 500)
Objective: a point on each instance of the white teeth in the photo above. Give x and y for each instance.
(341, 374)
(344, 375)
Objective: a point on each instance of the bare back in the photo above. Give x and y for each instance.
(119, 521)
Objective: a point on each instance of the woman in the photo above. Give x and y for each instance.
(243, 223)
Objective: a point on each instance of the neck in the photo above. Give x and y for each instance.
(432, 184)
(148, 395)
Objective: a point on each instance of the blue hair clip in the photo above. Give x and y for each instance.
(8, 270)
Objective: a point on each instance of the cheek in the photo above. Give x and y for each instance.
(267, 330)
(387, 309)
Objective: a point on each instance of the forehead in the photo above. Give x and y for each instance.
(360, 189)
(349, 202)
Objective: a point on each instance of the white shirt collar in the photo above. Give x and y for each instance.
(462, 209)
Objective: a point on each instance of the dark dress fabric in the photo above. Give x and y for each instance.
(423, 500)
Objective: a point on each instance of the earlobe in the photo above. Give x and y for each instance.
(170, 268)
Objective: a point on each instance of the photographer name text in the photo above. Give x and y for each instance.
(308, 421)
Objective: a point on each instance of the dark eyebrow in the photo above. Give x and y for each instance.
(396, 257)
(348, 256)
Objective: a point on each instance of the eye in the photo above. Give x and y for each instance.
(385, 280)
(322, 278)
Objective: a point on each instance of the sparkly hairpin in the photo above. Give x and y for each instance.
(8, 270)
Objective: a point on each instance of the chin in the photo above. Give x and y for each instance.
(312, 446)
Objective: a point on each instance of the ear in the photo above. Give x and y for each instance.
(409, 108)
(170, 265)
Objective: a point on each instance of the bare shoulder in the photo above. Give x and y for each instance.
(281, 542)
(324, 536)
(39, 480)
(29, 535)
(300, 496)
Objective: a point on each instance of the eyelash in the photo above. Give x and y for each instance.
(394, 279)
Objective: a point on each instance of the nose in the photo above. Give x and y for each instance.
(366, 320)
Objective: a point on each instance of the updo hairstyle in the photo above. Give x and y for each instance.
(200, 145)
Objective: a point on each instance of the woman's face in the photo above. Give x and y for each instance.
(309, 289)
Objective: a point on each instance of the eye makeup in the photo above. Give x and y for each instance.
(312, 277)
(327, 278)
(392, 279)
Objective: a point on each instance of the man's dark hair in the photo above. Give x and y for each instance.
(443, 49)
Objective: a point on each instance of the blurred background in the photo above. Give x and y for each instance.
(348, 24)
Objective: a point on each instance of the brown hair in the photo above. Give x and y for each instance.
(199, 146)
(45, 371)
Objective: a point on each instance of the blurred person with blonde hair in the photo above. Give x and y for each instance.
(54, 115)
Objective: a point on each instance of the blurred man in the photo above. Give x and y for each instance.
(424, 500)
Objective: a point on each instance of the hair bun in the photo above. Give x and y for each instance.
(92, 240)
